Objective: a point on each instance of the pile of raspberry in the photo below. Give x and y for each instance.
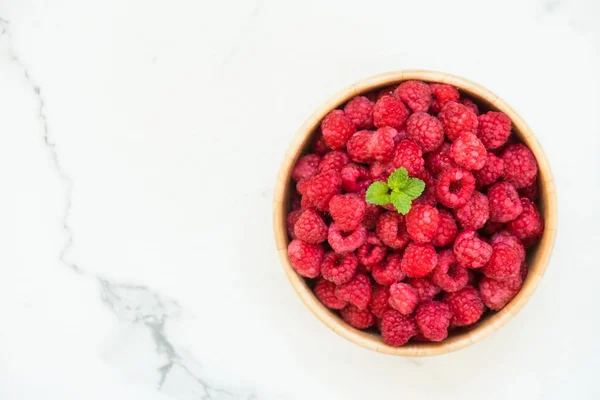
(461, 248)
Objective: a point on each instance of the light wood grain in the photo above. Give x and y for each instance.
(537, 258)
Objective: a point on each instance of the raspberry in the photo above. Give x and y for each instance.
(372, 214)
(372, 251)
(425, 288)
(494, 129)
(492, 227)
(322, 187)
(428, 196)
(305, 203)
(442, 94)
(357, 291)
(290, 222)
(418, 260)
(343, 242)
(403, 298)
(381, 171)
(302, 185)
(448, 275)
(388, 271)
(357, 318)
(470, 251)
(491, 171)
(337, 128)
(510, 240)
(425, 130)
(466, 305)
(408, 155)
(325, 292)
(415, 94)
(334, 161)
(310, 227)
(531, 192)
(386, 91)
(306, 167)
(391, 229)
(505, 204)
(379, 300)
(457, 119)
(454, 187)
(503, 264)
(306, 258)
(468, 152)
(360, 112)
(422, 222)
(439, 159)
(529, 225)
(446, 231)
(496, 294)
(355, 178)
(368, 146)
(396, 329)
(319, 146)
(520, 166)
(433, 319)
(470, 105)
(347, 210)
(474, 214)
(337, 268)
(389, 112)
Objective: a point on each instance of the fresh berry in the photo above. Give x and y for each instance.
(442, 94)
(491, 171)
(425, 288)
(496, 294)
(415, 94)
(466, 305)
(306, 258)
(503, 264)
(448, 275)
(357, 291)
(396, 329)
(337, 128)
(471, 251)
(343, 242)
(505, 204)
(357, 318)
(338, 268)
(322, 187)
(290, 222)
(419, 260)
(310, 227)
(319, 146)
(388, 271)
(372, 251)
(403, 298)
(389, 111)
(520, 166)
(454, 187)
(408, 155)
(510, 240)
(301, 186)
(468, 152)
(334, 160)
(355, 178)
(305, 202)
(347, 210)
(457, 119)
(446, 231)
(475, 213)
(360, 112)
(439, 160)
(369, 146)
(391, 229)
(531, 192)
(325, 292)
(428, 196)
(425, 130)
(372, 214)
(381, 171)
(306, 167)
(386, 91)
(494, 129)
(529, 225)
(379, 300)
(470, 105)
(433, 319)
(422, 222)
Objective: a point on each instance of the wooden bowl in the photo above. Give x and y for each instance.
(538, 256)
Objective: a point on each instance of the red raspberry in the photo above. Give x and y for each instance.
(337, 128)
(428, 196)
(466, 305)
(415, 94)
(470, 251)
(510, 240)
(306, 167)
(408, 155)
(470, 105)
(355, 178)
(492, 227)
(343, 242)
(347, 210)
(368, 146)
(468, 152)
(494, 129)
(422, 222)
(520, 166)
(503, 264)
(310, 227)
(396, 329)
(531, 192)
(372, 216)
(433, 319)
(448, 275)
(357, 291)
(492, 170)
(403, 298)
(475, 213)
(360, 112)
(338, 268)
(381, 171)
(425, 288)
(439, 159)
(372, 252)
(496, 294)
(306, 258)
(322, 187)
(418, 260)
(457, 119)
(334, 161)
(529, 225)
(379, 300)
(389, 112)
(290, 222)
(388, 271)
(302, 185)
(505, 204)
(425, 130)
(386, 91)
(319, 146)
(454, 187)
(446, 231)
(325, 292)
(391, 229)
(442, 94)
(304, 202)
(357, 318)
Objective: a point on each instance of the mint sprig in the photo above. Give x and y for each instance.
(400, 190)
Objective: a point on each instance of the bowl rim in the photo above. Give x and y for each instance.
(537, 263)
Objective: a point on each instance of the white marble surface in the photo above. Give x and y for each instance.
(139, 146)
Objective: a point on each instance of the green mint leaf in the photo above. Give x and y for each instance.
(401, 201)
(398, 179)
(378, 193)
(414, 187)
